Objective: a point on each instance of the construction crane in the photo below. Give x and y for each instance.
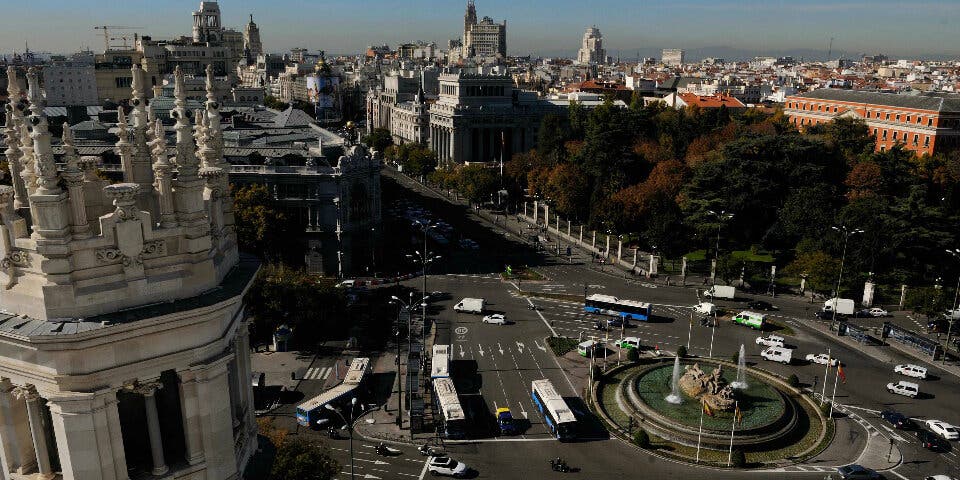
(106, 34)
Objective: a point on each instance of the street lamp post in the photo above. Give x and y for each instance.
(953, 307)
(721, 216)
(843, 256)
(353, 403)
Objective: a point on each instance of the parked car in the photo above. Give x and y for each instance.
(898, 420)
(907, 389)
(857, 472)
(823, 315)
(938, 477)
(864, 313)
(943, 429)
(931, 441)
(495, 319)
(761, 305)
(878, 312)
(630, 342)
(911, 370)
(770, 341)
(447, 466)
(821, 359)
(505, 421)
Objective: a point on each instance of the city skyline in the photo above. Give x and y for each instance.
(533, 28)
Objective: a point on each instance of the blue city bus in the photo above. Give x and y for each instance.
(558, 416)
(613, 306)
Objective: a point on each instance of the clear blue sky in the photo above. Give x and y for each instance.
(919, 28)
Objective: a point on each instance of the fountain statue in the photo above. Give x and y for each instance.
(711, 389)
(675, 397)
(741, 382)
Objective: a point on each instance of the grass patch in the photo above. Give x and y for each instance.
(562, 345)
(778, 327)
(696, 256)
(752, 256)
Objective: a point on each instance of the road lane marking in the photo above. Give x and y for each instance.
(545, 322)
(461, 351)
(480, 347)
(424, 471)
(520, 347)
(893, 434)
(500, 349)
(541, 347)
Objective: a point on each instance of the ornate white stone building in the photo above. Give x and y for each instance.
(124, 347)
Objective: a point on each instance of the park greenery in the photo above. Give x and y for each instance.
(654, 174)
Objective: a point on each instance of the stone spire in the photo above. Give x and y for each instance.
(151, 125)
(13, 155)
(74, 176)
(124, 147)
(47, 181)
(188, 189)
(28, 172)
(224, 219)
(163, 180)
(140, 171)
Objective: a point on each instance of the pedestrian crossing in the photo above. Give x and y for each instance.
(318, 373)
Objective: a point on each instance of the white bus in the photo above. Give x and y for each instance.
(560, 419)
(312, 413)
(440, 364)
(613, 306)
(452, 419)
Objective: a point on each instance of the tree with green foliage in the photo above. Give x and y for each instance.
(274, 103)
(820, 269)
(309, 305)
(682, 351)
(262, 226)
(633, 355)
(928, 301)
(299, 458)
(477, 183)
(641, 438)
(379, 139)
(738, 459)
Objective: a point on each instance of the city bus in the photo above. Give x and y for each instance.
(453, 422)
(313, 412)
(560, 419)
(613, 306)
(440, 363)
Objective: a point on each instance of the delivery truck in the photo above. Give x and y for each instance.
(470, 305)
(843, 306)
(721, 291)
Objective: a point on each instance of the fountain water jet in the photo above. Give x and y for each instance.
(675, 397)
(741, 382)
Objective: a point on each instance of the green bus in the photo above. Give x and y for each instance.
(753, 320)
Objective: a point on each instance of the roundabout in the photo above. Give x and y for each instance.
(689, 409)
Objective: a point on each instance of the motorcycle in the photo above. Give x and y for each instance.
(428, 451)
(386, 451)
(599, 326)
(534, 307)
(333, 433)
(559, 465)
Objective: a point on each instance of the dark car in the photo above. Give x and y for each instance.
(865, 313)
(932, 441)
(898, 420)
(855, 471)
(828, 315)
(761, 305)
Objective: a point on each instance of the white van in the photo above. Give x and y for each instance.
(705, 308)
(588, 348)
(778, 354)
(911, 370)
(907, 389)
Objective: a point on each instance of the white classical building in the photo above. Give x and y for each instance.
(124, 348)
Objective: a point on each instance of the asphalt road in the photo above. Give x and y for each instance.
(494, 366)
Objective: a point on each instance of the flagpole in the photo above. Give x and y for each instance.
(733, 427)
(835, 379)
(826, 375)
(699, 435)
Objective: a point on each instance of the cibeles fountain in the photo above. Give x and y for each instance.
(669, 397)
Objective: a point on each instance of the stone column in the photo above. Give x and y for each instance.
(606, 251)
(215, 419)
(580, 239)
(190, 408)
(569, 226)
(683, 272)
(116, 437)
(29, 394)
(635, 258)
(536, 211)
(10, 458)
(546, 217)
(149, 390)
(593, 240)
(524, 209)
(452, 145)
(619, 250)
(84, 439)
(16, 431)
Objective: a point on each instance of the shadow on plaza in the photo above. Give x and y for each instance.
(380, 387)
(262, 460)
(264, 397)
(589, 427)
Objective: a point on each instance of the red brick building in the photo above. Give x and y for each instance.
(926, 123)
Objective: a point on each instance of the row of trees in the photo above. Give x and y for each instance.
(656, 173)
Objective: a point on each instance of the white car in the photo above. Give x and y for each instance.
(821, 359)
(496, 319)
(770, 341)
(910, 370)
(944, 429)
(447, 466)
(878, 312)
(906, 389)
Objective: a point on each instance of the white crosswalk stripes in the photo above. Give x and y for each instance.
(318, 373)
